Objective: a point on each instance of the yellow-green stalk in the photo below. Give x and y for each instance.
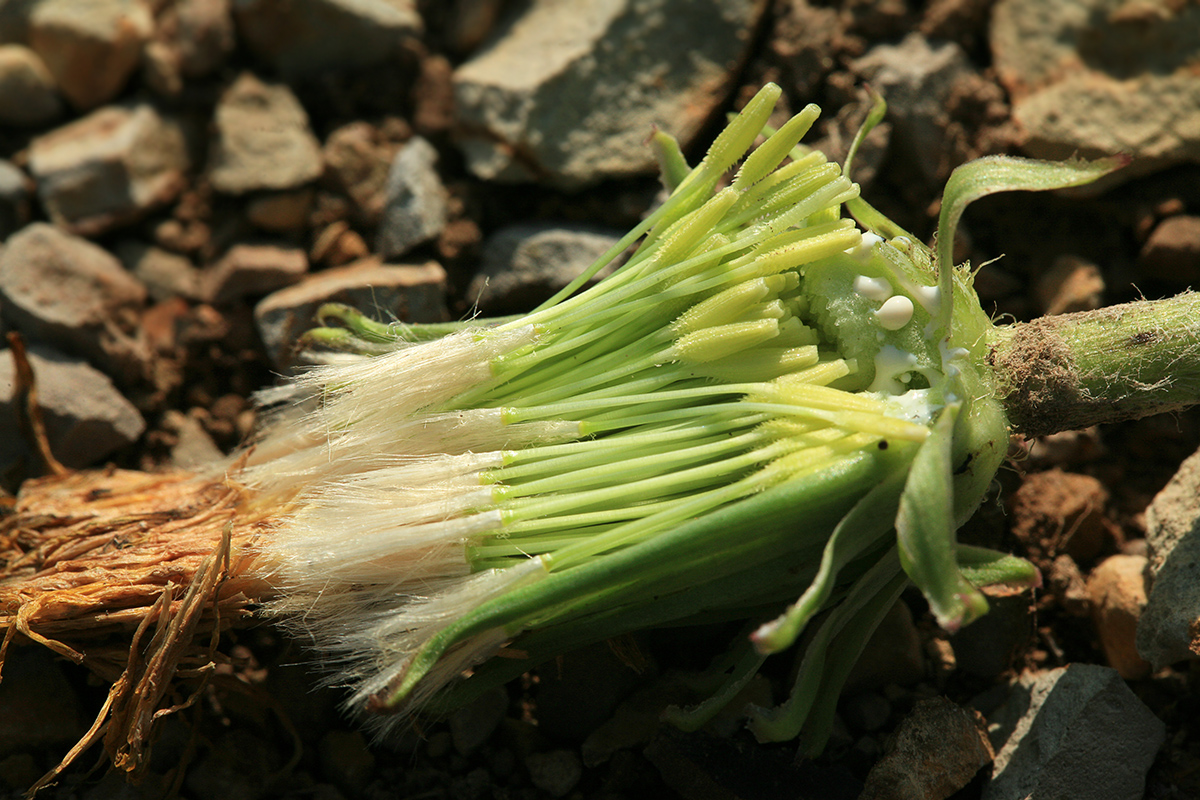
(763, 403)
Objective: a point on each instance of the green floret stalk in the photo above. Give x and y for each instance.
(764, 402)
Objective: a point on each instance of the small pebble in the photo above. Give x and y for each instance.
(555, 772)
(1117, 588)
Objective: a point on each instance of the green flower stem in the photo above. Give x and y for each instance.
(728, 541)
(1075, 370)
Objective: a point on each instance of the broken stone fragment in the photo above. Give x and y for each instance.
(91, 48)
(66, 291)
(383, 291)
(247, 270)
(16, 190)
(309, 37)
(1169, 629)
(109, 167)
(1172, 253)
(1117, 588)
(918, 80)
(938, 749)
(415, 207)
(86, 417)
(163, 273)
(261, 140)
(523, 265)
(1094, 77)
(28, 95)
(1075, 731)
(192, 38)
(569, 92)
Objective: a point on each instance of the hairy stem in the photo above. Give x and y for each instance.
(1118, 363)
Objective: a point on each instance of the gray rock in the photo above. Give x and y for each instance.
(346, 761)
(109, 167)
(194, 449)
(86, 418)
(90, 46)
(556, 772)
(569, 91)
(357, 161)
(38, 705)
(892, 655)
(471, 21)
(917, 80)
(936, 751)
(163, 273)
(238, 766)
(191, 39)
(68, 292)
(262, 139)
(407, 293)
(15, 190)
(522, 265)
(1169, 628)
(1076, 731)
(253, 269)
(27, 92)
(415, 208)
(987, 647)
(473, 724)
(1172, 253)
(307, 37)
(281, 212)
(1100, 77)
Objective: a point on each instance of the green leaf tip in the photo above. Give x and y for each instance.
(996, 174)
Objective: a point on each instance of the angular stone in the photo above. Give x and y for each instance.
(1117, 588)
(192, 38)
(569, 91)
(1169, 629)
(473, 724)
(1094, 77)
(891, 656)
(163, 273)
(917, 79)
(1072, 284)
(406, 293)
(556, 772)
(68, 292)
(86, 417)
(90, 46)
(194, 449)
(308, 37)
(28, 95)
(280, 211)
(938, 749)
(262, 139)
(346, 761)
(38, 705)
(109, 167)
(248, 269)
(1172, 253)
(15, 191)
(357, 162)
(415, 208)
(523, 265)
(1075, 731)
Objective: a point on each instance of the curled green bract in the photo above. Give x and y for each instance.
(766, 412)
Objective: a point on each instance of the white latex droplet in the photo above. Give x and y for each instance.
(878, 289)
(895, 313)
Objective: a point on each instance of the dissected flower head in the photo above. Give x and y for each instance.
(762, 403)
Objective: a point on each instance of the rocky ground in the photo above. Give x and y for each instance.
(183, 182)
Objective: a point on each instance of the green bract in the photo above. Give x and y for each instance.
(762, 403)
